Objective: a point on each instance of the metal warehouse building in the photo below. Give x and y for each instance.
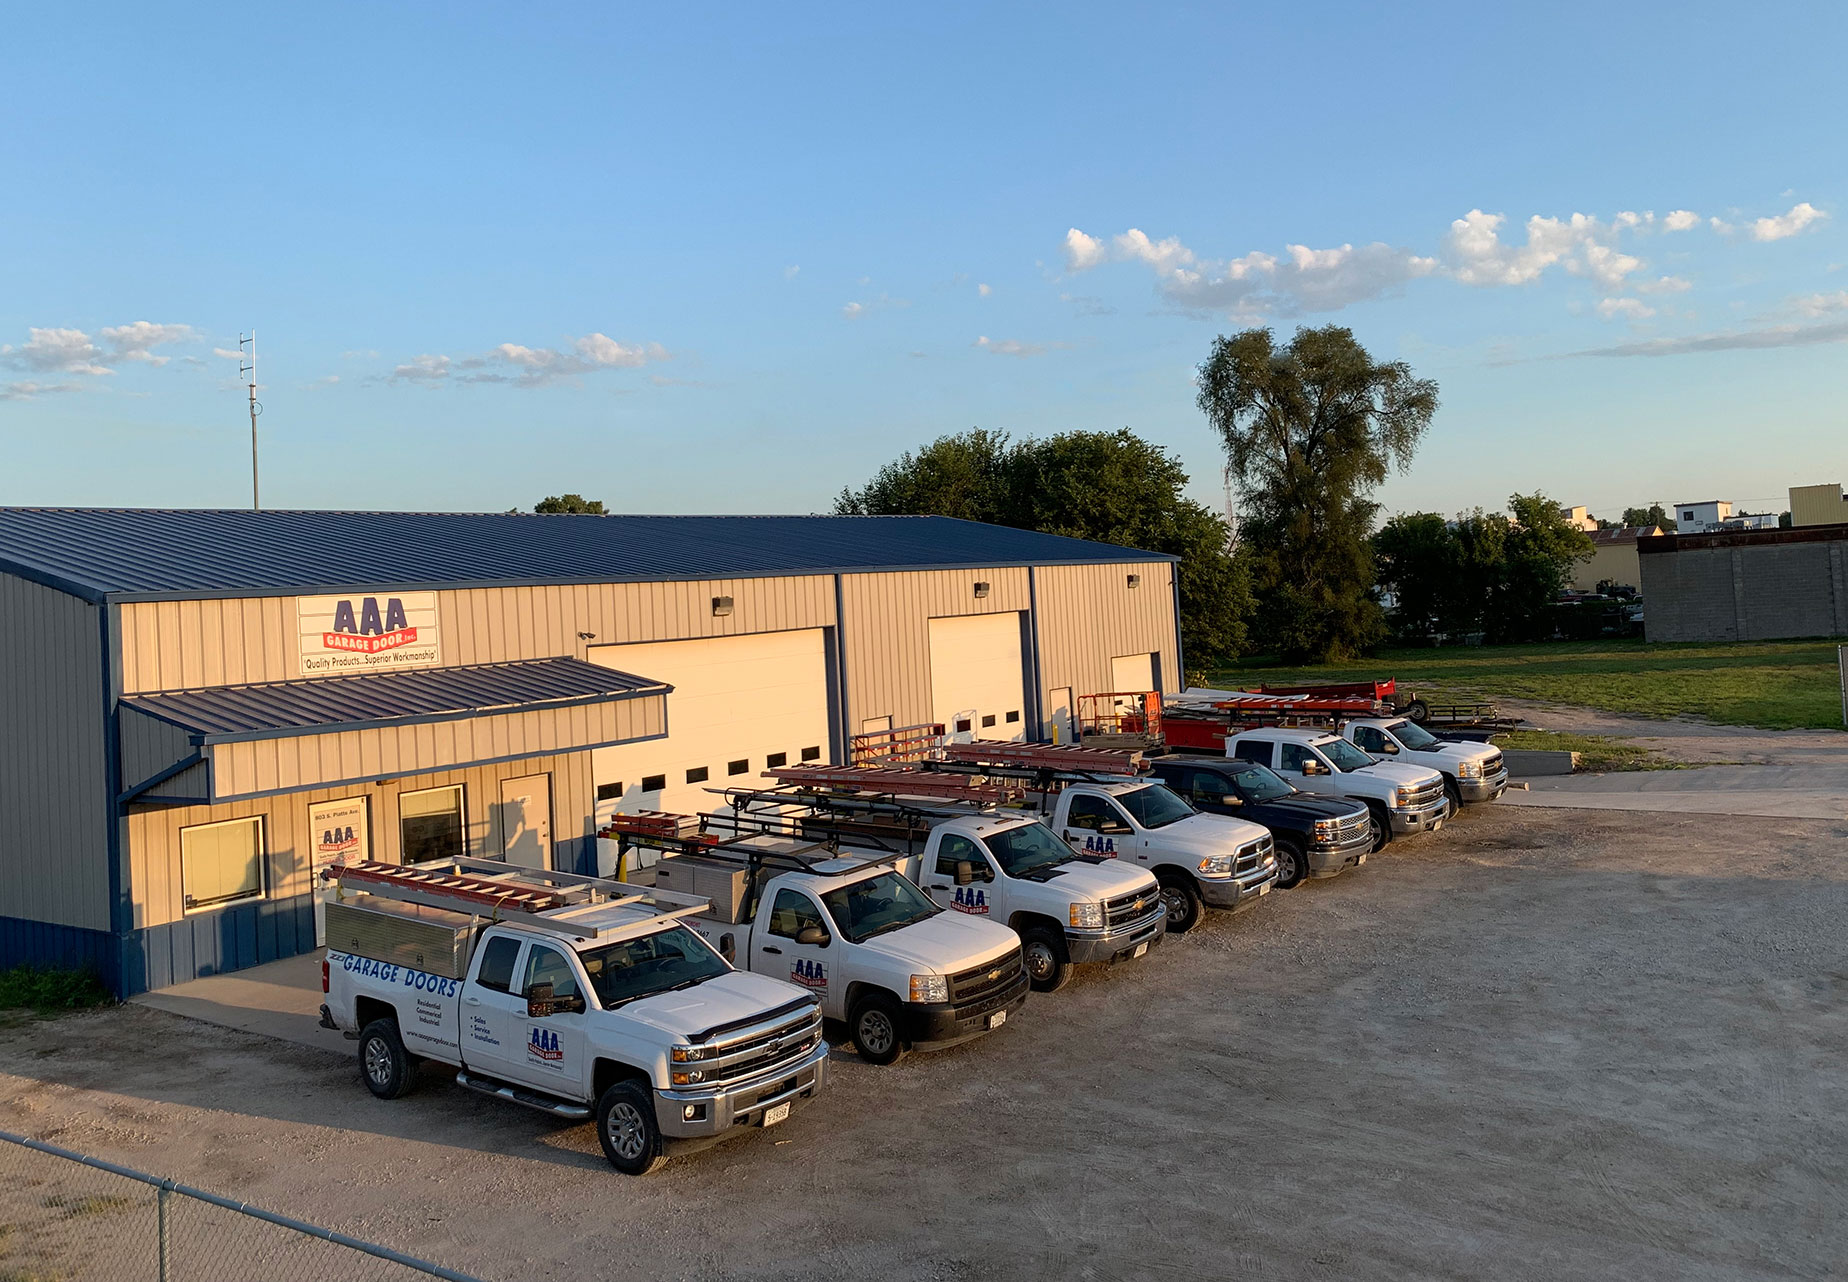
(197, 709)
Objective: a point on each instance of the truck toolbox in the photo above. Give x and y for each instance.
(724, 882)
(415, 936)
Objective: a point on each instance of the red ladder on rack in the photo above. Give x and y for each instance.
(903, 783)
(467, 892)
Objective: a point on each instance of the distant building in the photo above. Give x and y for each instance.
(1745, 585)
(1613, 559)
(1579, 519)
(1818, 505)
(1695, 518)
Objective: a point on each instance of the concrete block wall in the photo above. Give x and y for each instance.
(1746, 592)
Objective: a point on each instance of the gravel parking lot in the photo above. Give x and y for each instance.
(1544, 1043)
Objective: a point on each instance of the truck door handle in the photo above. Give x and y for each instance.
(471, 1001)
(939, 885)
(777, 951)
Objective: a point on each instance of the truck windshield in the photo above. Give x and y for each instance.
(669, 959)
(1154, 806)
(1344, 754)
(1260, 783)
(1414, 736)
(876, 905)
(1020, 850)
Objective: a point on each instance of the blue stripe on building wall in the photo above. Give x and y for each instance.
(213, 943)
(41, 943)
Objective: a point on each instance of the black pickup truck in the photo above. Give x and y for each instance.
(1313, 836)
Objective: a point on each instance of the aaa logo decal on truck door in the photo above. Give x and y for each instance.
(971, 900)
(810, 974)
(543, 1046)
(1105, 846)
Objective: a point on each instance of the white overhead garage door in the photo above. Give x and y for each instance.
(977, 679)
(739, 704)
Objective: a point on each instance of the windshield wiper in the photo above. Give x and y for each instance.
(894, 925)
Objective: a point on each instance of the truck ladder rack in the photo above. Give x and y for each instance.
(924, 782)
(444, 890)
(1059, 758)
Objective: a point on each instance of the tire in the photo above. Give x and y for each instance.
(1292, 865)
(389, 1069)
(874, 1025)
(1048, 965)
(1418, 711)
(1382, 826)
(1183, 902)
(627, 1129)
(1454, 795)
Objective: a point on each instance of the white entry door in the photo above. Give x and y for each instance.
(1060, 726)
(977, 676)
(526, 820)
(339, 832)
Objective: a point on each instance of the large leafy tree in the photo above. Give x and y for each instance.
(1654, 514)
(1310, 430)
(569, 505)
(1110, 486)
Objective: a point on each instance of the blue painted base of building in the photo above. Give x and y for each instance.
(233, 938)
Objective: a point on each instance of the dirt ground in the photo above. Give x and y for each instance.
(1541, 1044)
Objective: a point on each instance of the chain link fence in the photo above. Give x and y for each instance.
(65, 1217)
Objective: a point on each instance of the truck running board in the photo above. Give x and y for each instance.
(532, 1099)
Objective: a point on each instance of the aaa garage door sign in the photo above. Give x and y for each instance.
(368, 633)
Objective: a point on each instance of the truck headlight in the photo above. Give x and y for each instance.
(1215, 866)
(1327, 829)
(1469, 770)
(932, 989)
(1087, 916)
(689, 1054)
(687, 1076)
(1406, 794)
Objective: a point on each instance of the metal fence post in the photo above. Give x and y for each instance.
(166, 1254)
(1841, 664)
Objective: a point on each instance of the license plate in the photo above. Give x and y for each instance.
(1264, 887)
(1437, 823)
(1360, 861)
(997, 1019)
(1139, 950)
(780, 1113)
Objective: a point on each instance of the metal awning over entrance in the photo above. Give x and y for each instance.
(230, 743)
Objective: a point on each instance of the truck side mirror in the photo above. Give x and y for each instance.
(538, 1001)
(1114, 828)
(1232, 799)
(965, 872)
(1312, 767)
(814, 936)
(1389, 747)
(728, 947)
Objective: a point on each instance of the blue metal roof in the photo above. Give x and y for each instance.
(322, 705)
(134, 553)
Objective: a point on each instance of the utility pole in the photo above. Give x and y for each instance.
(255, 409)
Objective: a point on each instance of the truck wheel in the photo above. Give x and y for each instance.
(1182, 899)
(1418, 711)
(383, 1061)
(1291, 865)
(874, 1024)
(1454, 795)
(1382, 827)
(1048, 969)
(627, 1128)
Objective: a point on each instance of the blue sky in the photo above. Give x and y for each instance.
(732, 260)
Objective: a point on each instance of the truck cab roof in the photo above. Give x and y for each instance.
(1293, 734)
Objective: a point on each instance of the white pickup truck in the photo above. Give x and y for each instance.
(1472, 771)
(584, 999)
(1403, 799)
(1068, 908)
(878, 954)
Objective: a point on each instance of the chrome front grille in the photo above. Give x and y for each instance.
(1251, 855)
(1354, 825)
(762, 1048)
(979, 983)
(1492, 764)
(1425, 795)
(1127, 909)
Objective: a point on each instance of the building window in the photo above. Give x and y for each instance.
(775, 760)
(738, 767)
(653, 783)
(962, 725)
(988, 720)
(430, 824)
(1013, 717)
(221, 863)
(609, 792)
(696, 775)
(811, 754)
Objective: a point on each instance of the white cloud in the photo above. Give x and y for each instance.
(72, 351)
(1014, 347)
(531, 366)
(1721, 226)
(26, 391)
(1822, 304)
(1737, 340)
(855, 310)
(792, 271)
(1681, 219)
(1475, 253)
(983, 291)
(1777, 228)
(232, 354)
(1628, 308)
(1082, 252)
(1665, 285)
(136, 342)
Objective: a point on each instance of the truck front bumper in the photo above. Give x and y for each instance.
(934, 1026)
(743, 1103)
(1242, 892)
(1429, 816)
(1484, 789)
(1083, 946)
(1332, 858)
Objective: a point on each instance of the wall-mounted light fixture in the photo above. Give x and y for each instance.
(981, 588)
(587, 636)
(721, 606)
(1135, 580)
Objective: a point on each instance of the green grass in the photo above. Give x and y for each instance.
(1599, 753)
(1779, 685)
(46, 990)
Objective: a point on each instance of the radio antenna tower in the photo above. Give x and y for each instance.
(255, 408)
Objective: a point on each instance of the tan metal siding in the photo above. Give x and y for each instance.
(186, 645)
(254, 767)
(885, 630)
(154, 832)
(54, 786)
(1088, 614)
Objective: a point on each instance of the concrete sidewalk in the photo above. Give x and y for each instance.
(280, 1000)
